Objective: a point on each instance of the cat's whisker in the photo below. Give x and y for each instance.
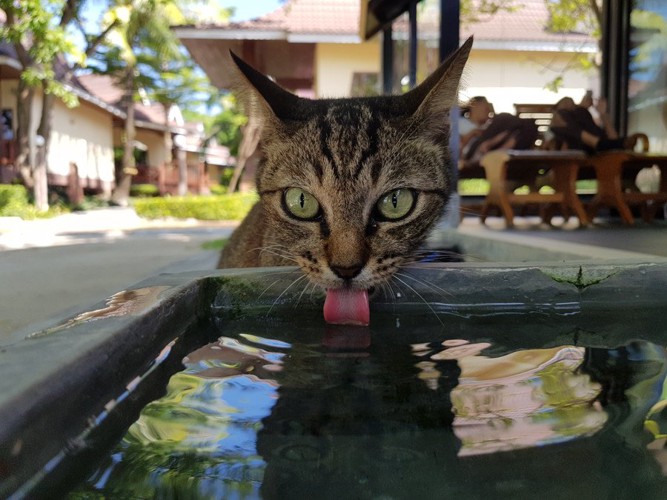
(278, 251)
(429, 284)
(421, 297)
(387, 291)
(300, 278)
(308, 285)
(267, 289)
(392, 293)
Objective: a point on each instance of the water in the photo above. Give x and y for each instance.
(357, 413)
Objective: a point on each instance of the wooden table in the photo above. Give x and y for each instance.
(505, 168)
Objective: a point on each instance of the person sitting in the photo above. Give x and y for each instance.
(575, 128)
(481, 130)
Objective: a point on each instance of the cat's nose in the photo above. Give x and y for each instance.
(347, 272)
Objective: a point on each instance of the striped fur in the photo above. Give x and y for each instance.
(347, 153)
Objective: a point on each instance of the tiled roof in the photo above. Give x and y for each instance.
(105, 88)
(312, 16)
(298, 18)
(525, 24)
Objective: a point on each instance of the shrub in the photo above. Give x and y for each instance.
(144, 190)
(218, 189)
(13, 199)
(15, 202)
(224, 207)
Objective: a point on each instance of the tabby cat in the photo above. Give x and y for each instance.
(349, 188)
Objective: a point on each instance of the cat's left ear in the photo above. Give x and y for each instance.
(433, 98)
(261, 95)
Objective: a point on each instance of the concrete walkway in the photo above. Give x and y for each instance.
(50, 268)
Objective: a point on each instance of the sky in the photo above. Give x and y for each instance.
(247, 9)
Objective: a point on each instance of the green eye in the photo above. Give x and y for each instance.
(301, 204)
(396, 204)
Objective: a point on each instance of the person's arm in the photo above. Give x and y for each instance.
(605, 121)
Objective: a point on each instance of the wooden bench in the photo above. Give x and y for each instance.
(611, 168)
(501, 166)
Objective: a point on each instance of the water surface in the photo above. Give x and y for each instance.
(336, 412)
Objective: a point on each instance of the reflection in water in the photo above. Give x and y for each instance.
(526, 398)
(254, 417)
(124, 303)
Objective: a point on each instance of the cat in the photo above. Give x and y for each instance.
(349, 188)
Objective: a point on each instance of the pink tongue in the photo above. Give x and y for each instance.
(344, 306)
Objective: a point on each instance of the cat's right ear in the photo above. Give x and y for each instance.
(260, 94)
(432, 99)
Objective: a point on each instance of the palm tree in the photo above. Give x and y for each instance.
(138, 43)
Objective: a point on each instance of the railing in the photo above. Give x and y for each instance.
(166, 177)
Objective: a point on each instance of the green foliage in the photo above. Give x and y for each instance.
(215, 244)
(37, 29)
(473, 187)
(575, 16)
(13, 199)
(224, 207)
(144, 190)
(226, 177)
(473, 11)
(554, 84)
(15, 202)
(143, 52)
(226, 125)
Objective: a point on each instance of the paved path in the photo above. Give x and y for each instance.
(53, 267)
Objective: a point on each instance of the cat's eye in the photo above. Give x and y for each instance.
(301, 204)
(396, 204)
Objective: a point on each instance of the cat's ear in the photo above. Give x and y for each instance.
(262, 95)
(432, 99)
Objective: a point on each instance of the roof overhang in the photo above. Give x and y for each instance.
(267, 56)
(204, 33)
(377, 14)
(10, 62)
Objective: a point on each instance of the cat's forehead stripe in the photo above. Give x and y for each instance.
(349, 136)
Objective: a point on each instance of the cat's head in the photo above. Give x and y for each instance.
(351, 187)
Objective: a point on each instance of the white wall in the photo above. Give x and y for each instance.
(336, 63)
(82, 135)
(157, 154)
(506, 77)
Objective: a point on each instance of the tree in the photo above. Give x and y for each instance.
(40, 32)
(36, 30)
(575, 16)
(144, 56)
(139, 41)
(474, 11)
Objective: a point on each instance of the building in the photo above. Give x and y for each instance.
(81, 156)
(329, 55)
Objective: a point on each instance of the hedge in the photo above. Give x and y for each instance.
(13, 199)
(223, 207)
(144, 190)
